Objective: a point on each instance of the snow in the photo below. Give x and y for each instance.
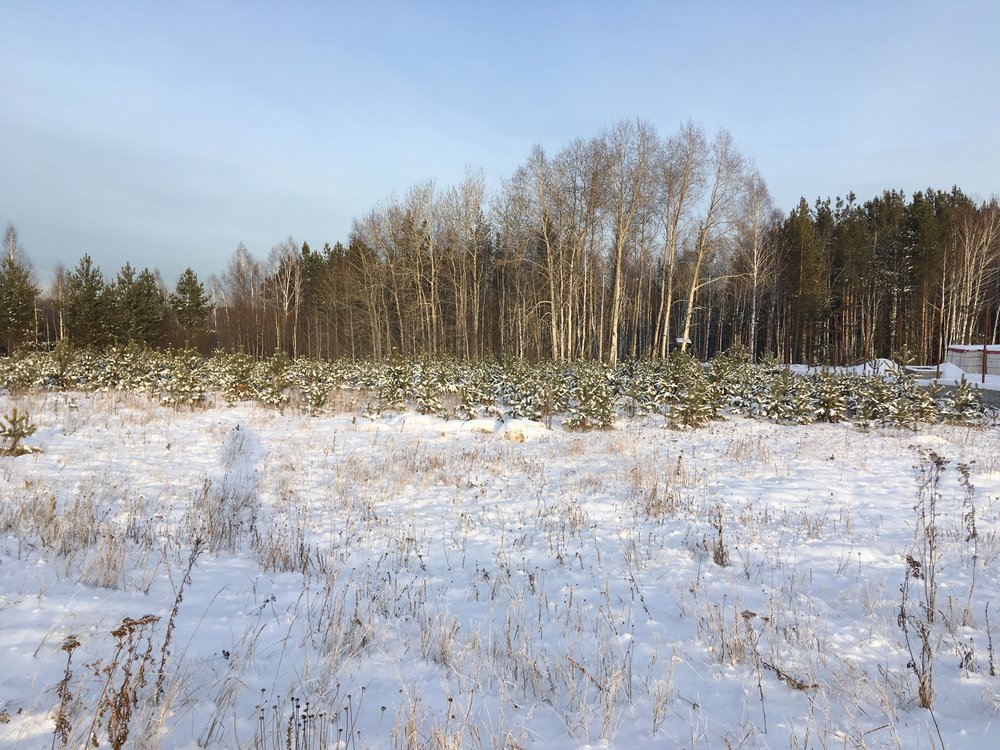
(953, 375)
(493, 583)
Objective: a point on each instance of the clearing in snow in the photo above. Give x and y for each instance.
(410, 581)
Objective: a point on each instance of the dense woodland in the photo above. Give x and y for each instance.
(621, 246)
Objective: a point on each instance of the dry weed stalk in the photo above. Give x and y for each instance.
(932, 468)
(63, 723)
(989, 641)
(971, 534)
(196, 550)
(121, 680)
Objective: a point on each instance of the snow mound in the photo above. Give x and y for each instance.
(411, 421)
(950, 372)
(484, 426)
(520, 430)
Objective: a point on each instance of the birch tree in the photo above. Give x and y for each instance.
(631, 151)
(682, 179)
(241, 293)
(285, 287)
(756, 247)
(726, 184)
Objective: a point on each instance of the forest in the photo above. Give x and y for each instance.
(625, 245)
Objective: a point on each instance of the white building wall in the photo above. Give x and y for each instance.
(970, 359)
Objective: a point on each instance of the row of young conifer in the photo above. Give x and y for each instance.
(579, 395)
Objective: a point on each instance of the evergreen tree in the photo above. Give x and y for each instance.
(135, 306)
(427, 388)
(190, 303)
(963, 404)
(186, 383)
(787, 399)
(697, 402)
(829, 403)
(591, 401)
(86, 305)
(17, 295)
(807, 277)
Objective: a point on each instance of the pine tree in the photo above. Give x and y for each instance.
(314, 387)
(17, 294)
(427, 389)
(788, 398)
(829, 403)
(236, 375)
(591, 401)
(524, 395)
(477, 394)
(733, 377)
(17, 303)
(873, 397)
(190, 303)
(808, 280)
(273, 380)
(86, 305)
(697, 402)
(135, 305)
(963, 404)
(392, 386)
(13, 429)
(185, 384)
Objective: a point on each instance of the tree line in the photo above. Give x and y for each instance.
(624, 245)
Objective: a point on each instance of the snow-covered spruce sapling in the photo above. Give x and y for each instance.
(591, 402)
(696, 401)
(523, 401)
(184, 386)
(274, 381)
(477, 397)
(637, 390)
(873, 397)
(236, 376)
(15, 428)
(963, 404)
(732, 375)
(829, 403)
(391, 385)
(314, 388)
(913, 402)
(62, 360)
(427, 390)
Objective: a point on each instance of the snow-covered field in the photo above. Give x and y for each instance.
(428, 583)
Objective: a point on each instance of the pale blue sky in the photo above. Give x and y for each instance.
(166, 133)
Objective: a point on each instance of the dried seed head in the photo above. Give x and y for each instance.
(70, 644)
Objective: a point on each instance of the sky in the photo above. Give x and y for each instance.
(166, 134)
